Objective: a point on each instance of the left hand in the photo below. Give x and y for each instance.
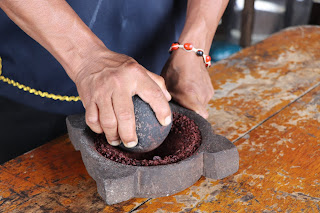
(188, 81)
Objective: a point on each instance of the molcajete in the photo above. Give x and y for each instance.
(215, 158)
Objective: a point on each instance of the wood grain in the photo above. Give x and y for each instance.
(259, 81)
(52, 178)
(266, 101)
(279, 169)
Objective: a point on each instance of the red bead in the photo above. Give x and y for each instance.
(188, 46)
(174, 46)
(208, 58)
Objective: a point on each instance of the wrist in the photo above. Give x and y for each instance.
(199, 38)
(201, 22)
(78, 51)
(180, 59)
(188, 47)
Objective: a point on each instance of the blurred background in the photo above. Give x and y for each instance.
(246, 22)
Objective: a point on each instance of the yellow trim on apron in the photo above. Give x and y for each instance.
(34, 91)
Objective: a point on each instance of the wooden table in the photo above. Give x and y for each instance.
(267, 102)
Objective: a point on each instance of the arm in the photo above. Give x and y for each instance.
(106, 81)
(186, 76)
(57, 28)
(202, 20)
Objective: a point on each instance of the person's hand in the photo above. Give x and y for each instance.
(188, 81)
(106, 84)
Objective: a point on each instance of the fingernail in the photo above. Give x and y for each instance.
(115, 143)
(167, 121)
(131, 144)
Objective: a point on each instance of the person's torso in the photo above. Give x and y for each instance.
(142, 29)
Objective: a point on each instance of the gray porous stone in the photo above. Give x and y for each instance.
(216, 158)
(150, 132)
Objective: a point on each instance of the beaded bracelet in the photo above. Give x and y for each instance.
(189, 47)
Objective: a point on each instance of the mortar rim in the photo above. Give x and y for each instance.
(200, 122)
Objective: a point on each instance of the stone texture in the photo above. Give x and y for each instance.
(150, 132)
(216, 158)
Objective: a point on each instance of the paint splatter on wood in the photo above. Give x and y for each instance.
(279, 158)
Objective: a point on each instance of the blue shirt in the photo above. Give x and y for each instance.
(142, 29)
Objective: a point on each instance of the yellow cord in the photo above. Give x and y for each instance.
(36, 92)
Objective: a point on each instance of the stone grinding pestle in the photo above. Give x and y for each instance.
(150, 132)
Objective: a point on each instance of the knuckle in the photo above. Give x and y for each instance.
(90, 122)
(157, 93)
(125, 115)
(190, 89)
(133, 66)
(98, 93)
(108, 123)
(162, 110)
(162, 82)
(114, 80)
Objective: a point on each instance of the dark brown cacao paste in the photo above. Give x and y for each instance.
(183, 140)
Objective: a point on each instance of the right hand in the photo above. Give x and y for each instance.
(106, 85)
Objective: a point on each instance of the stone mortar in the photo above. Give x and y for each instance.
(216, 158)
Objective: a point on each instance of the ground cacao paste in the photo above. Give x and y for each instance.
(183, 140)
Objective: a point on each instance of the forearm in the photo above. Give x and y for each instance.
(202, 20)
(54, 25)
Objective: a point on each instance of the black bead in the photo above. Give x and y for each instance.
(199, 53)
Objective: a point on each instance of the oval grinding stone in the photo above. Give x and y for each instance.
(150, 132)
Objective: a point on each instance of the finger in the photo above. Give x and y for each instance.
(199, 94)
(210, 90)
(92, 118)
(200, 109)
(205, 96)
(109, 122)
(193, 103)
(124, 111)
(204, 113)
(161, 83)
(152, 94)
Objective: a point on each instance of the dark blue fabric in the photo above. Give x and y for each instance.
(142, 29)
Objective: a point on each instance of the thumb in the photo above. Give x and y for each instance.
(193, 103)
(161, 83)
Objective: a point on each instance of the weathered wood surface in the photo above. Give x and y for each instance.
(51, 178)
(278, 143)
(259, 81)
(279, 169)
